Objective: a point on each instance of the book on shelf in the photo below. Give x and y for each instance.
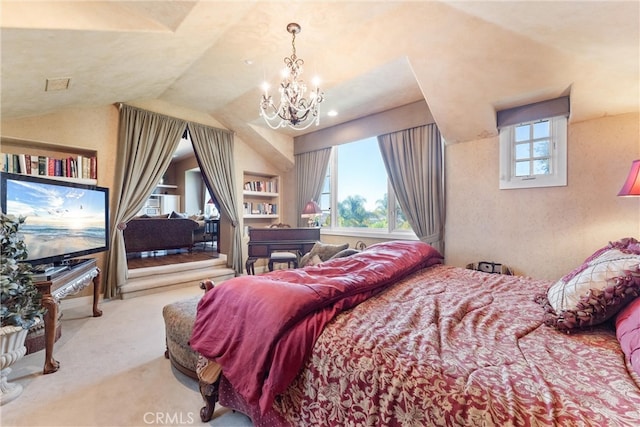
(34, 165)
(250, 208)
(23, 163)
(270, 186)
(42, 165)
(29, 164)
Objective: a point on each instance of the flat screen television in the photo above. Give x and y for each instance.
(64, 220)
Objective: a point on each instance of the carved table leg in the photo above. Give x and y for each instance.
(209, 393)
(96, 295)
(249, 265)
(50, 364)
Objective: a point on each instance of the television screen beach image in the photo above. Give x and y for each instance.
(62, 219)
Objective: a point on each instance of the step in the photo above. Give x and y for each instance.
(148, 280)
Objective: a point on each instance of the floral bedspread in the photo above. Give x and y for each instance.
(261, 329)
(449, 346)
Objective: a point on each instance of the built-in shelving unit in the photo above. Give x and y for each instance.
(167, 186)
(49, 160)
(161, 203)
(261, 197)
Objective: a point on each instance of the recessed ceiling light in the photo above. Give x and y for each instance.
(332, 113)
(57, 84)
(248, 61)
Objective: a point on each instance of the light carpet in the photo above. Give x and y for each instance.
(112, 373)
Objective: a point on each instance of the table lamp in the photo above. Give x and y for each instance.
(631, 186)
(311, 211)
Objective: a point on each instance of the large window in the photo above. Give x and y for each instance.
(356, 194)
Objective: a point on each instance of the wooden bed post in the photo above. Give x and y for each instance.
(209, 394)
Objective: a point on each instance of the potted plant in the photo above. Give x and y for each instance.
(20, 301)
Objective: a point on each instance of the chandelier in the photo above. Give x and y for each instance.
(294, 110)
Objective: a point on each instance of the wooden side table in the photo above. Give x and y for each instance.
(212, 230)
(66, 283)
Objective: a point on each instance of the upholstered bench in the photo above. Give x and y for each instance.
(179, 318)
(283, 257)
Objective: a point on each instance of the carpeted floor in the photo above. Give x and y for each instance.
(113, 373)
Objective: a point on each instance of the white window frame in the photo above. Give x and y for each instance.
(558, 175)
(384, 233)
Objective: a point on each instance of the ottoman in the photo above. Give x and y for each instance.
(179, 318)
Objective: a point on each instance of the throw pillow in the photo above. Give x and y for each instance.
(326, 251)
(628, 333)
(323, 250)
(315, 260)
(344, 253)
(176, 215)
(595, 291)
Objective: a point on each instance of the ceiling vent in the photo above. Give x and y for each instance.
(57, 84)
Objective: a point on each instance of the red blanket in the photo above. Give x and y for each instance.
(261, 329)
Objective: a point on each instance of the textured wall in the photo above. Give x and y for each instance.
(543, 232)
(87, 128)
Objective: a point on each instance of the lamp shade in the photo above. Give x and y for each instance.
(631, 186)
(311, 209)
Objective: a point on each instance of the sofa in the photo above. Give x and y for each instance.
(158, 233)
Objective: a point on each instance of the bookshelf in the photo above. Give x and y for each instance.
(49, 160)
(261, 197)
(161, 203)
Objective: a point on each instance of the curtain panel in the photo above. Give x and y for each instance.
(146, 142)
(414, 159)
(311, 168)
(214, 152)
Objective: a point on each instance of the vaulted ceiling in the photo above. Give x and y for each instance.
(466, 59)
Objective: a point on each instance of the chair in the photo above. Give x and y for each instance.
(282, 257)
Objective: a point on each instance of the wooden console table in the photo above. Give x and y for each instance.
(66, 283)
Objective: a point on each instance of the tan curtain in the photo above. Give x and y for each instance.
(311, 168)
(414, 162)
(146, 142)
(214, 151)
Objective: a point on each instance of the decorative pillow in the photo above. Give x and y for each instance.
(323, 250)
(315, 260)
(595, 291)
(344, 253)
(176, 215)
(628, 333)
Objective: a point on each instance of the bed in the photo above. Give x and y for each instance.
(391, 336)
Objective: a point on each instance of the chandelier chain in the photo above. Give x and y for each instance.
(293, 45)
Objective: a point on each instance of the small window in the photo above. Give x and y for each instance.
(534, 154)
